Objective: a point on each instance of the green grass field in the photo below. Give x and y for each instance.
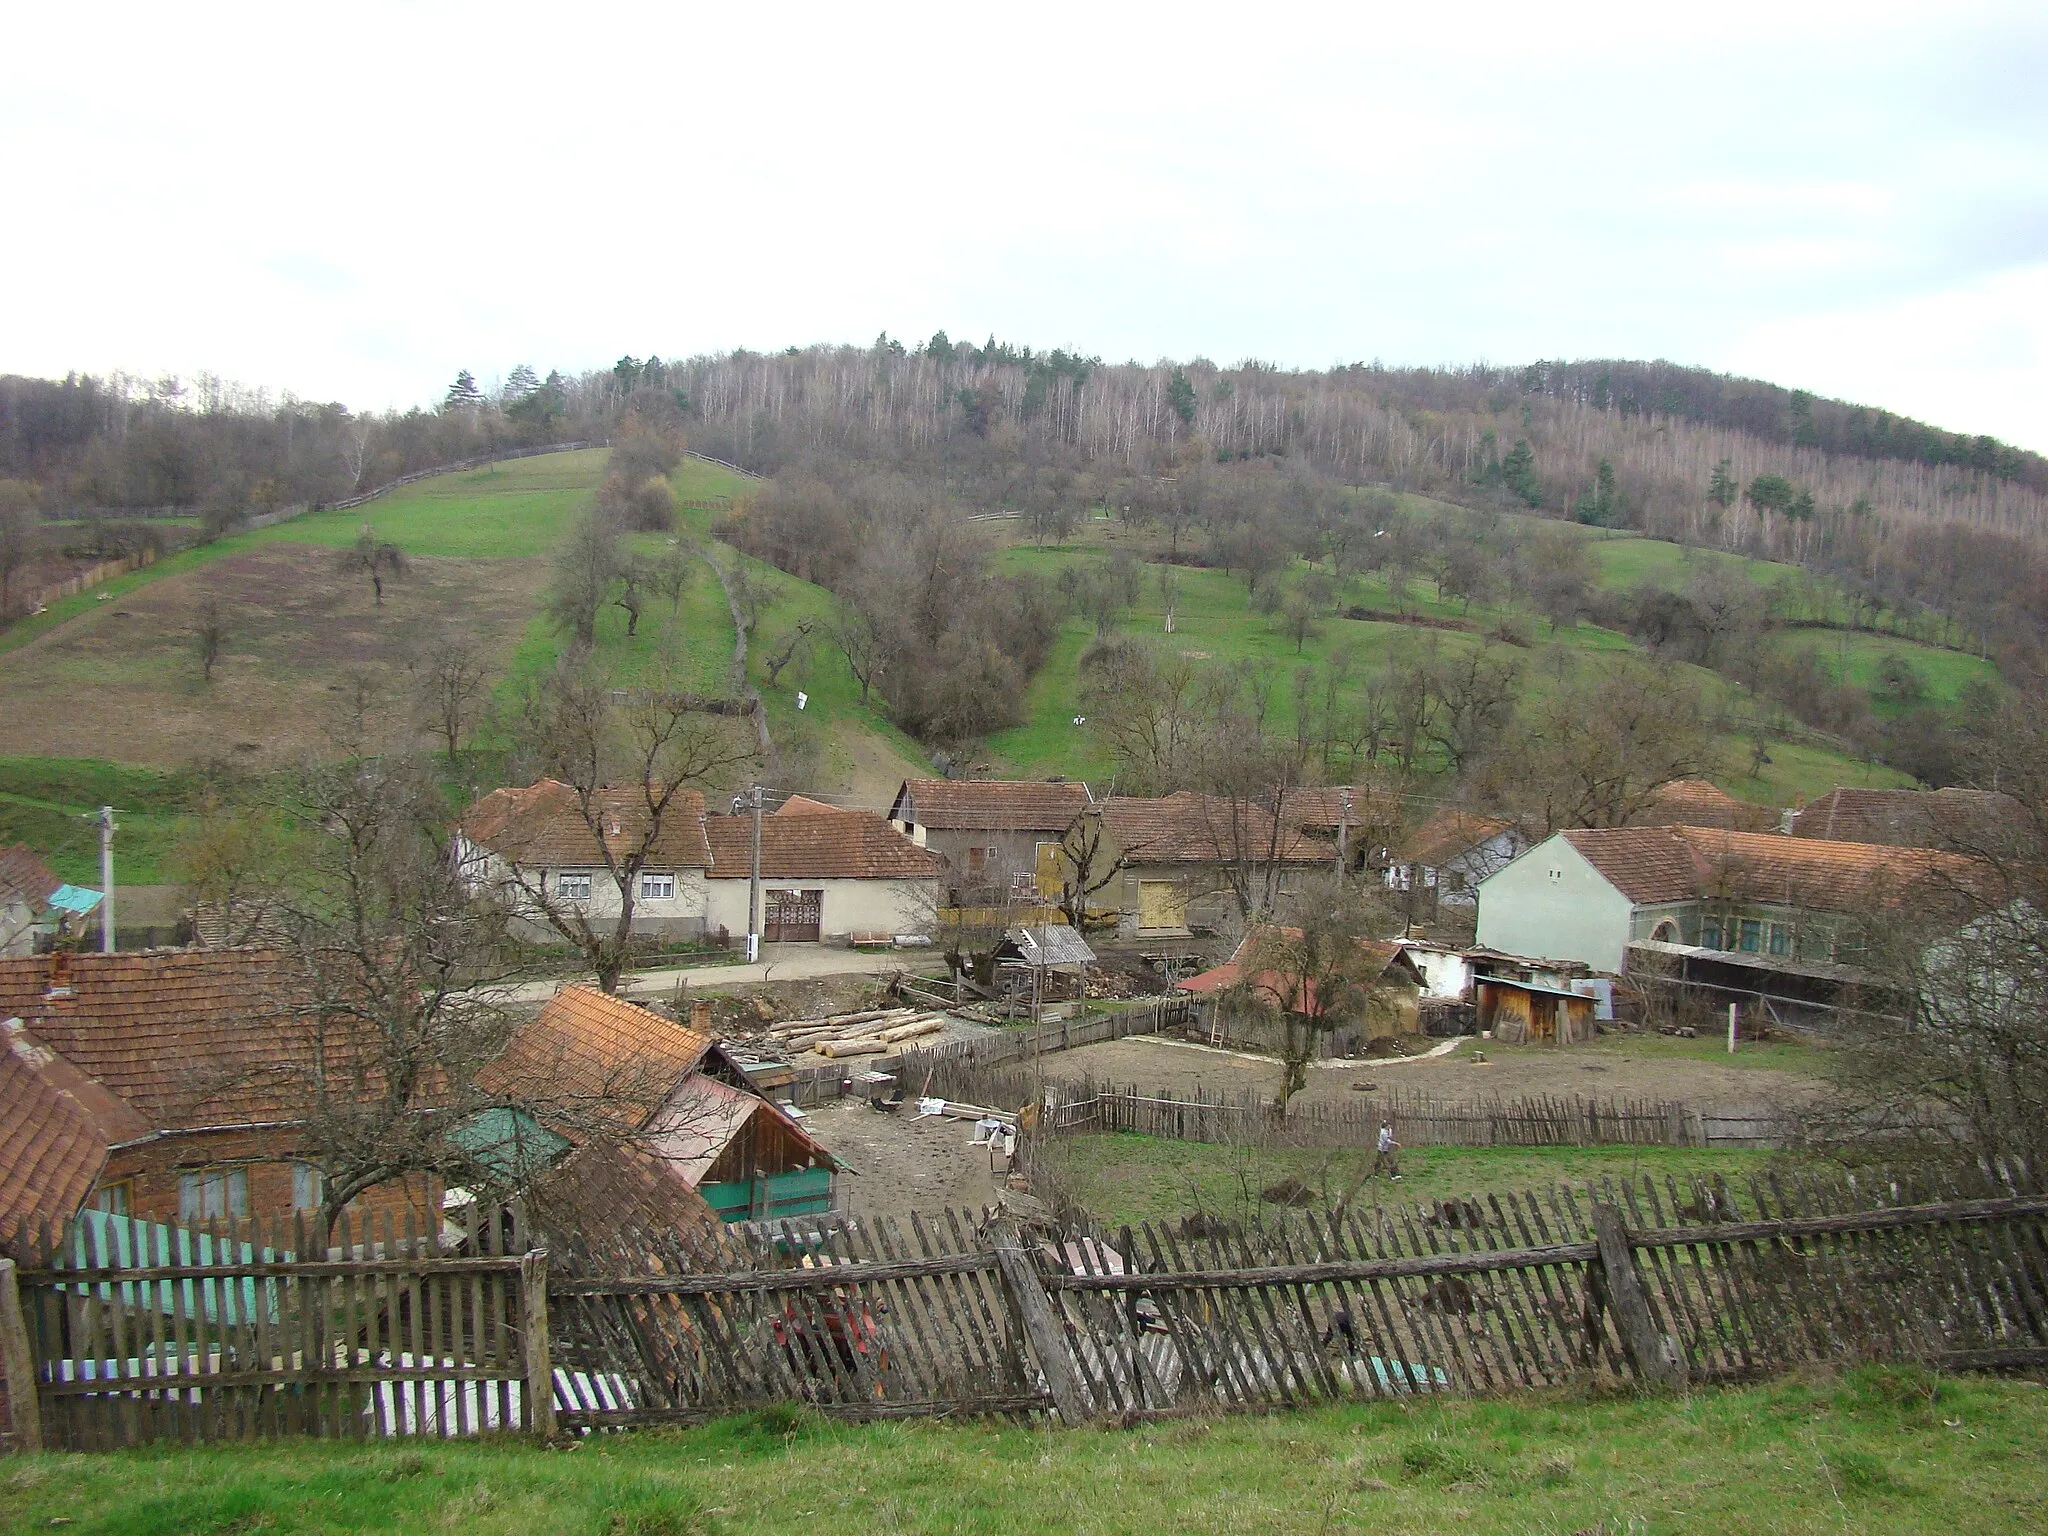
(1877, 1450)
(44, 802)
(1123, 1177)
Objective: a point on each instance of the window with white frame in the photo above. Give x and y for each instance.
(210, 1193)
(571, 886)
(654, 887)
(309, 1187)
(1023, 883)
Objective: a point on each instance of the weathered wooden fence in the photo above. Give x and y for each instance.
(1664, 1285)
(1417, 1119)
(235, 1330)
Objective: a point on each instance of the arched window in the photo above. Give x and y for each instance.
(1666, 932)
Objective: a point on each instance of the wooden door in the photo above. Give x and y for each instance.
(792, 916)
(1162, 904)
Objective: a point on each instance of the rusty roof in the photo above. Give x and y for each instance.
(543, 826)
(1908, 818)
(990, 805)
(596, 1059)
(25, 875)
(1450, 832)
(849, 845)
(57, 1127)
(189, 1038)
(1701, 803)
(804, 805)
(1382, 955)
(1192, 828)
(1655, 865)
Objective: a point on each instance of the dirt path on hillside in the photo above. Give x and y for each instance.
(1625, 1067)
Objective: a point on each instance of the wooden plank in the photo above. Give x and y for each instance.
(24, 1408)
(1422, 1266)
(540, 1368)
(959, 1408)
(823, 1279)
(1032, 1310)
(316, 1269)
(1654, 1355)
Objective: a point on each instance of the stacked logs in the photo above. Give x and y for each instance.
(871, 1032)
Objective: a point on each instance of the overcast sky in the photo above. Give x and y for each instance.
(355, 202)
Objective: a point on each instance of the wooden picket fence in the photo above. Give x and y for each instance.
(1248, 1118)
(1665, 1285)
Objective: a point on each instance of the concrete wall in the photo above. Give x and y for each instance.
(850, 906)
(1552, 905)
(1014, 851)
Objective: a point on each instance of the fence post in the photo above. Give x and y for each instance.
(1032, 1309)
(540, 1365)
(1654, 1356)
(24, 1411)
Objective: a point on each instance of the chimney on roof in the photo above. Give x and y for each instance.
(60, 973)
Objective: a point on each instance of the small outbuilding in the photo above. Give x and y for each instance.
(1048, 963)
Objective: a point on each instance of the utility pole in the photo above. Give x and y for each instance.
(754, 884)
(1343, 833)
(105, 821)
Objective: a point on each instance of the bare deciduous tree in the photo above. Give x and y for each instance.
(209, 634)
(453, 678)
(375, 558)
(1317, 970)
(627, 756)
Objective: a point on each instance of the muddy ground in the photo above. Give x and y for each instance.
(1618, 1066)
(902, 1163)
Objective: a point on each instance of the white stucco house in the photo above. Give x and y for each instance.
(1445, 858)
(826, 874)
(540, 844)
(1586, 895)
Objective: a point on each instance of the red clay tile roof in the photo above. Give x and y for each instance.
(804, 805)
(56, 1128)
(1908, 818)
(852, 845)
(990, 805)
(189, 1038)
(1322, 809)
(542, 826)
(25, 875)
(596, 1057)
(1382, 953)
(1450, 832)
(1654, 865)
(1191, 828)
(1700, 803)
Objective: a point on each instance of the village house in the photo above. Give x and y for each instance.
(993, 836)
(1190, 863)
(1240, 1003)
(1442, 861)
(155, 1086)
(1585, 895)
(1963, 820)
(1702, 803)
(826, 874)
(533, 846)
(26, 886)
(614, 1074)
(1357, 821)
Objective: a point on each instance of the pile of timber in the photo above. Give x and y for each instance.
(871, 1032)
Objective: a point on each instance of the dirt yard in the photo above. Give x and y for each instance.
(1619, 1066)
(298, 632)
(903, 1164)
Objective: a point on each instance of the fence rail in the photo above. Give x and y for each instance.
(1631, 1283)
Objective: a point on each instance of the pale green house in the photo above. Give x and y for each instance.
(1586, 895)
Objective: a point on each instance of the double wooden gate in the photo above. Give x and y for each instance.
(792, 916)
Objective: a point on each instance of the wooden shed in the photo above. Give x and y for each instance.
(1533, 1012)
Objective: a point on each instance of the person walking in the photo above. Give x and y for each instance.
(1389, 1152)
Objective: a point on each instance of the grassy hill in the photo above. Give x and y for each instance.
(1878, 1450)
(109, 677)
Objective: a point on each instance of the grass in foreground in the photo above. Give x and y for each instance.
(1123, 1177)
(1878, 1450)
